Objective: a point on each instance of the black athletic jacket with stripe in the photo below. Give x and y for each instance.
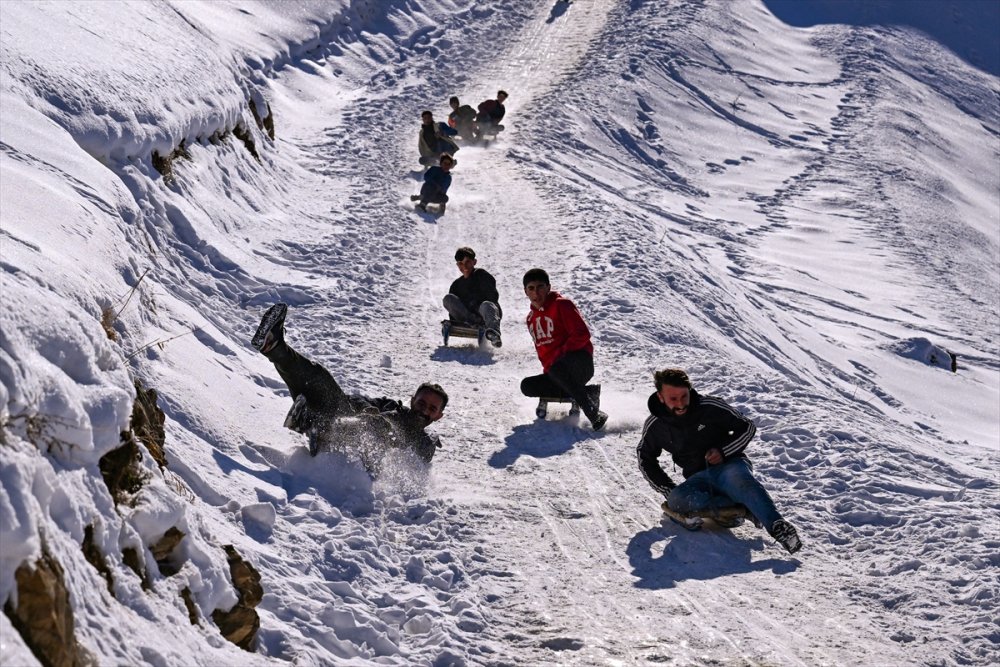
(709, 423)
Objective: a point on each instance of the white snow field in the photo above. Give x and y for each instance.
(799, 203)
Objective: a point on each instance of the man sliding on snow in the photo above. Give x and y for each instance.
(463, 119)
(491, 112)
(437, 180)
(435, 139)
(706, 438)
(562, 341)
(473, 298)
(334, 420)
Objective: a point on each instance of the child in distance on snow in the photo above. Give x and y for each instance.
(437, 180)
(435, 139)
(463, 119)
(491, 112)
(706, 437)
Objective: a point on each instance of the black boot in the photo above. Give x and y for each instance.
(272, 328)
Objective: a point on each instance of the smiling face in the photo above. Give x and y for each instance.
(677, 399)
(428, 404)
(466, 265)
(537, 291)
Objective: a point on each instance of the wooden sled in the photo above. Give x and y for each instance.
(450, 329)
(543, 406)
(727, 517)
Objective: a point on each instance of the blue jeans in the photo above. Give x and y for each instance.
(724, 485)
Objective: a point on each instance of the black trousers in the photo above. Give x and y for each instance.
(305, 377)
(567, 378)
(430, 193)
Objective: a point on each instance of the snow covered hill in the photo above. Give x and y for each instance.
(799, 203)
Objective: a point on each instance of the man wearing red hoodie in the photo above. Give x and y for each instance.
(562, 341)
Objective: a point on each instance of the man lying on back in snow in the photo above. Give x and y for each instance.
(331, 418)
(706, 437)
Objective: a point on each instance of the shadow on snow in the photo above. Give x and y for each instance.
(706, 554)
(470, 355)
(540, 439)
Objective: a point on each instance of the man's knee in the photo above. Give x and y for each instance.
(533, 385)
(488, 310)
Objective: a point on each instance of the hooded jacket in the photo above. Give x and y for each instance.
(708, 423)
(557, 328)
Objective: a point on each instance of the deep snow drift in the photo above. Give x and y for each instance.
(805, 215)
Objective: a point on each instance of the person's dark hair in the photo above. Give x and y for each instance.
(434, 389)
(672, 377)
(464, 252)
(502, 92)
(453, 98)
(426, 113)
(445, 156)
(533, 275)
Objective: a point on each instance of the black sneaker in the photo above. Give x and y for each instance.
(493, 336)
(542, 409)
(599, 420)
(574, 409)
(786, 535)
(272, 328)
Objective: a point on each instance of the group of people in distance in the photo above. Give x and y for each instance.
(437, 144)
(705, 436)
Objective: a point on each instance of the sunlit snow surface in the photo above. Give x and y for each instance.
(799, 207)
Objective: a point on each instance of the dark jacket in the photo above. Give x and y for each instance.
(463, 120)
(475, 289)
(491, 111)
(365, 423)
(709, 423)
(438, 178)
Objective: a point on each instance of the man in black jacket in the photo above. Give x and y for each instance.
(462, 118)
(334, 420)
(705, 437)
(491, 113)
(473, 298)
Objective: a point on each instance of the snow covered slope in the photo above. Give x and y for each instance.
(804, 214)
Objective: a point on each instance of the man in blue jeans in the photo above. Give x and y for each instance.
(706, 437)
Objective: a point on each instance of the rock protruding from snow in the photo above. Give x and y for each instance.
(240, 624)
(43, 615)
